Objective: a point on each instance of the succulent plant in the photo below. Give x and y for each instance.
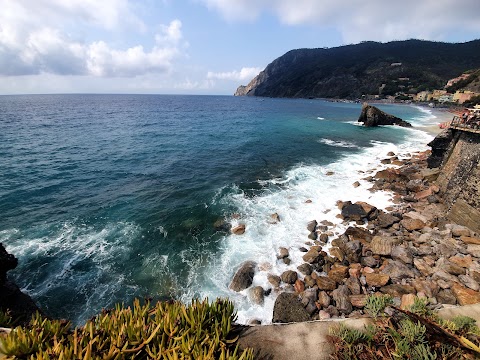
(168, 330)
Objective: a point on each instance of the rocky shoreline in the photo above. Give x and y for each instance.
(407, 250)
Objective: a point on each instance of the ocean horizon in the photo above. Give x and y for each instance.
(105, 198)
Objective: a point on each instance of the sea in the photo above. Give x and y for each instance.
(105, 198)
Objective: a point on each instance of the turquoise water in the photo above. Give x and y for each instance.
(108, 197)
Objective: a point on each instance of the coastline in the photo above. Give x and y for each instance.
(327, 269)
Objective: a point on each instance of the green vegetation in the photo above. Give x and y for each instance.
(417, 334)
(168, 330)
(352, 70)
(464, 83)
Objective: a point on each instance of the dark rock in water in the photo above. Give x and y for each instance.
(20, 305)
(372, 116)
(353, 212)
(7, 262)
(305, 269)
(256, 295)
(222, 225)
(288, 308)
(311, 226)
(289, 277)
(243, 278)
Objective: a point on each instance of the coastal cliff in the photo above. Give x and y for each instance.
(20, 306)
(457, 153)
(351, 71)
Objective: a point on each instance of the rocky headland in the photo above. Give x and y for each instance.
(425, 245)
(372, 116)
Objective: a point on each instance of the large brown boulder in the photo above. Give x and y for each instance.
(373, 116)
(243, 278)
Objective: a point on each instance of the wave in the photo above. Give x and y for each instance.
(320, 118)
(323, 186)
(337, 143)
(78, 266)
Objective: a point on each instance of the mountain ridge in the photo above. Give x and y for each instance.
(351, 71)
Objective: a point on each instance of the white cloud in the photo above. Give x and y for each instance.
(40, 43)
(363, 20)
(246, 73)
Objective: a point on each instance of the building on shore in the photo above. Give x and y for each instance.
(463, 96)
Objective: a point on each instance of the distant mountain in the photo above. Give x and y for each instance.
(367, 68)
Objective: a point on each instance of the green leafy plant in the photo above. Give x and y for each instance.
(376, 304)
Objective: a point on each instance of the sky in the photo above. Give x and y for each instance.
(196, 46)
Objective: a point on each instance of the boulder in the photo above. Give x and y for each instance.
(398, 270)
(412, 224)
(383, 245)
(423, 267)
(358, 301)
(342, 300)
(353, 212)
(305, 269)
(338, 273)
(256, 295)
(356, 233)
(7, 262)
(289, 277)
(312, 225)
(372, 116)
(353, 285)
(397, 290)
(12, 299)
(239, 229)
(325, 283)
(299, 286)
(377, 280)
(243, 278)
(470, 240)
(288, 308)
(282, 253)
(275, 280)
(274, 218)
(324, 300)
(446, 296)
(312, 256)
(402, 253)
(385, 220)
(459, 230)
(465, 296)
(222, 225)
(469, 282)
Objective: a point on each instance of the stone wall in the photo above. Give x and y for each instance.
(459, 178)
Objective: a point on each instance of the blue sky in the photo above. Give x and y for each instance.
(196, 46)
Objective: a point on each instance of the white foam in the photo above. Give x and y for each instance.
(330, 142)
(320, 118)
(68, 247)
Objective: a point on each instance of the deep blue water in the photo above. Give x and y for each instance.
(107, 197)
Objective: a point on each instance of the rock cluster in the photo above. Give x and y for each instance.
(406, 250)
(372, 116)
(20, 305)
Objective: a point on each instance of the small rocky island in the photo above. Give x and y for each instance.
(372, 116)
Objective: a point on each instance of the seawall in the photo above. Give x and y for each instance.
(457, 153)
